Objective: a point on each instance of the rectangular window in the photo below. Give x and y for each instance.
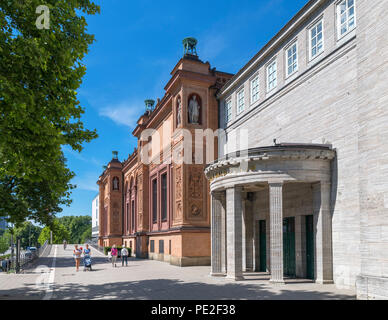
(228, 111)
(316, 39)
(240, 101)
(164, 197)
(133, 215)
(292, 59)
(255, 89)
(152, 246)
(128, 222)
(154, 201)
(346, 19)
(271, 76)
(161, 246)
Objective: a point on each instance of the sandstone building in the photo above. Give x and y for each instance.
(307, 196)
(158, 207)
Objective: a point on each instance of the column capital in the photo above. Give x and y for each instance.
(219, 195)
(236, 188)
(276, 183)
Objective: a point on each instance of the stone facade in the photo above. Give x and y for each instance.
(163, 205)
(336, 99)
(95, 218)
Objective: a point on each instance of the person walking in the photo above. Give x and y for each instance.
(114, 253)
(64, 244)
(124, 256)
(87, 250)
(77, 256)
(87, 258)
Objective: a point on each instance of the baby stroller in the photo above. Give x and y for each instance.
(87, 262)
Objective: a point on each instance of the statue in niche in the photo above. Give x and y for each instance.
(194, 109)
(179, 112)
(115, 183)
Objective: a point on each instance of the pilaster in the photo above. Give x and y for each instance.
(323, 233)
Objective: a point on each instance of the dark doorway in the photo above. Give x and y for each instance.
(263, 246)
(289, 247)
(310, 247)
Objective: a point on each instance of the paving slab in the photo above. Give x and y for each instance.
(148, 279)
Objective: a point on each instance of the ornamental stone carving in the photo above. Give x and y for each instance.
(178, 214)
(195, 211)
(179, 112)
(196, 183)
(178, 182)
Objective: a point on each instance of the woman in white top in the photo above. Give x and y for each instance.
(77, 256)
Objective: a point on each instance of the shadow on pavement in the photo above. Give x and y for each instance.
(163, 289)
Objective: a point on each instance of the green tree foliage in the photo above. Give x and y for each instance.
(87, 235)
(28, 234)
(60, 233)
(40, 71)
(77, 227)
(4, 244)
(22, 199)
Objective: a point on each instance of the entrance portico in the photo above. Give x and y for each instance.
(273, 203)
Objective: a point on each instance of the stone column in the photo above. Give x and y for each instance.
(300, 246)
(243, 234)
(323, 240)
(218, 247)
(255, 243)
(276, 232)
(234, 233)
(248, 236)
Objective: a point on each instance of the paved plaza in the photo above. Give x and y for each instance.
(147, 279)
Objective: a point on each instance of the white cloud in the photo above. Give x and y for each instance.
(88, 181)
(123, 113)
(88, 186)
(75, 154)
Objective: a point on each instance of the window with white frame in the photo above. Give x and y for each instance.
(255, 89)
(346, 17)
(316, 39)
(292, 59)
(228, 110)
(240, 101)
(271, 76)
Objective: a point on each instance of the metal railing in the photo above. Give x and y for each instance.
(23, 260)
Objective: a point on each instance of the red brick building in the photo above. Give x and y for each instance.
(161, 208)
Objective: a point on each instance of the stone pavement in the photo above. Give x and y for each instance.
(148, 279)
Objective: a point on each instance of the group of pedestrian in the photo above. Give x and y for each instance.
(113, 254)
(77, 254)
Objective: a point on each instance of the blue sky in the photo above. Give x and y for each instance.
(138, 42)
